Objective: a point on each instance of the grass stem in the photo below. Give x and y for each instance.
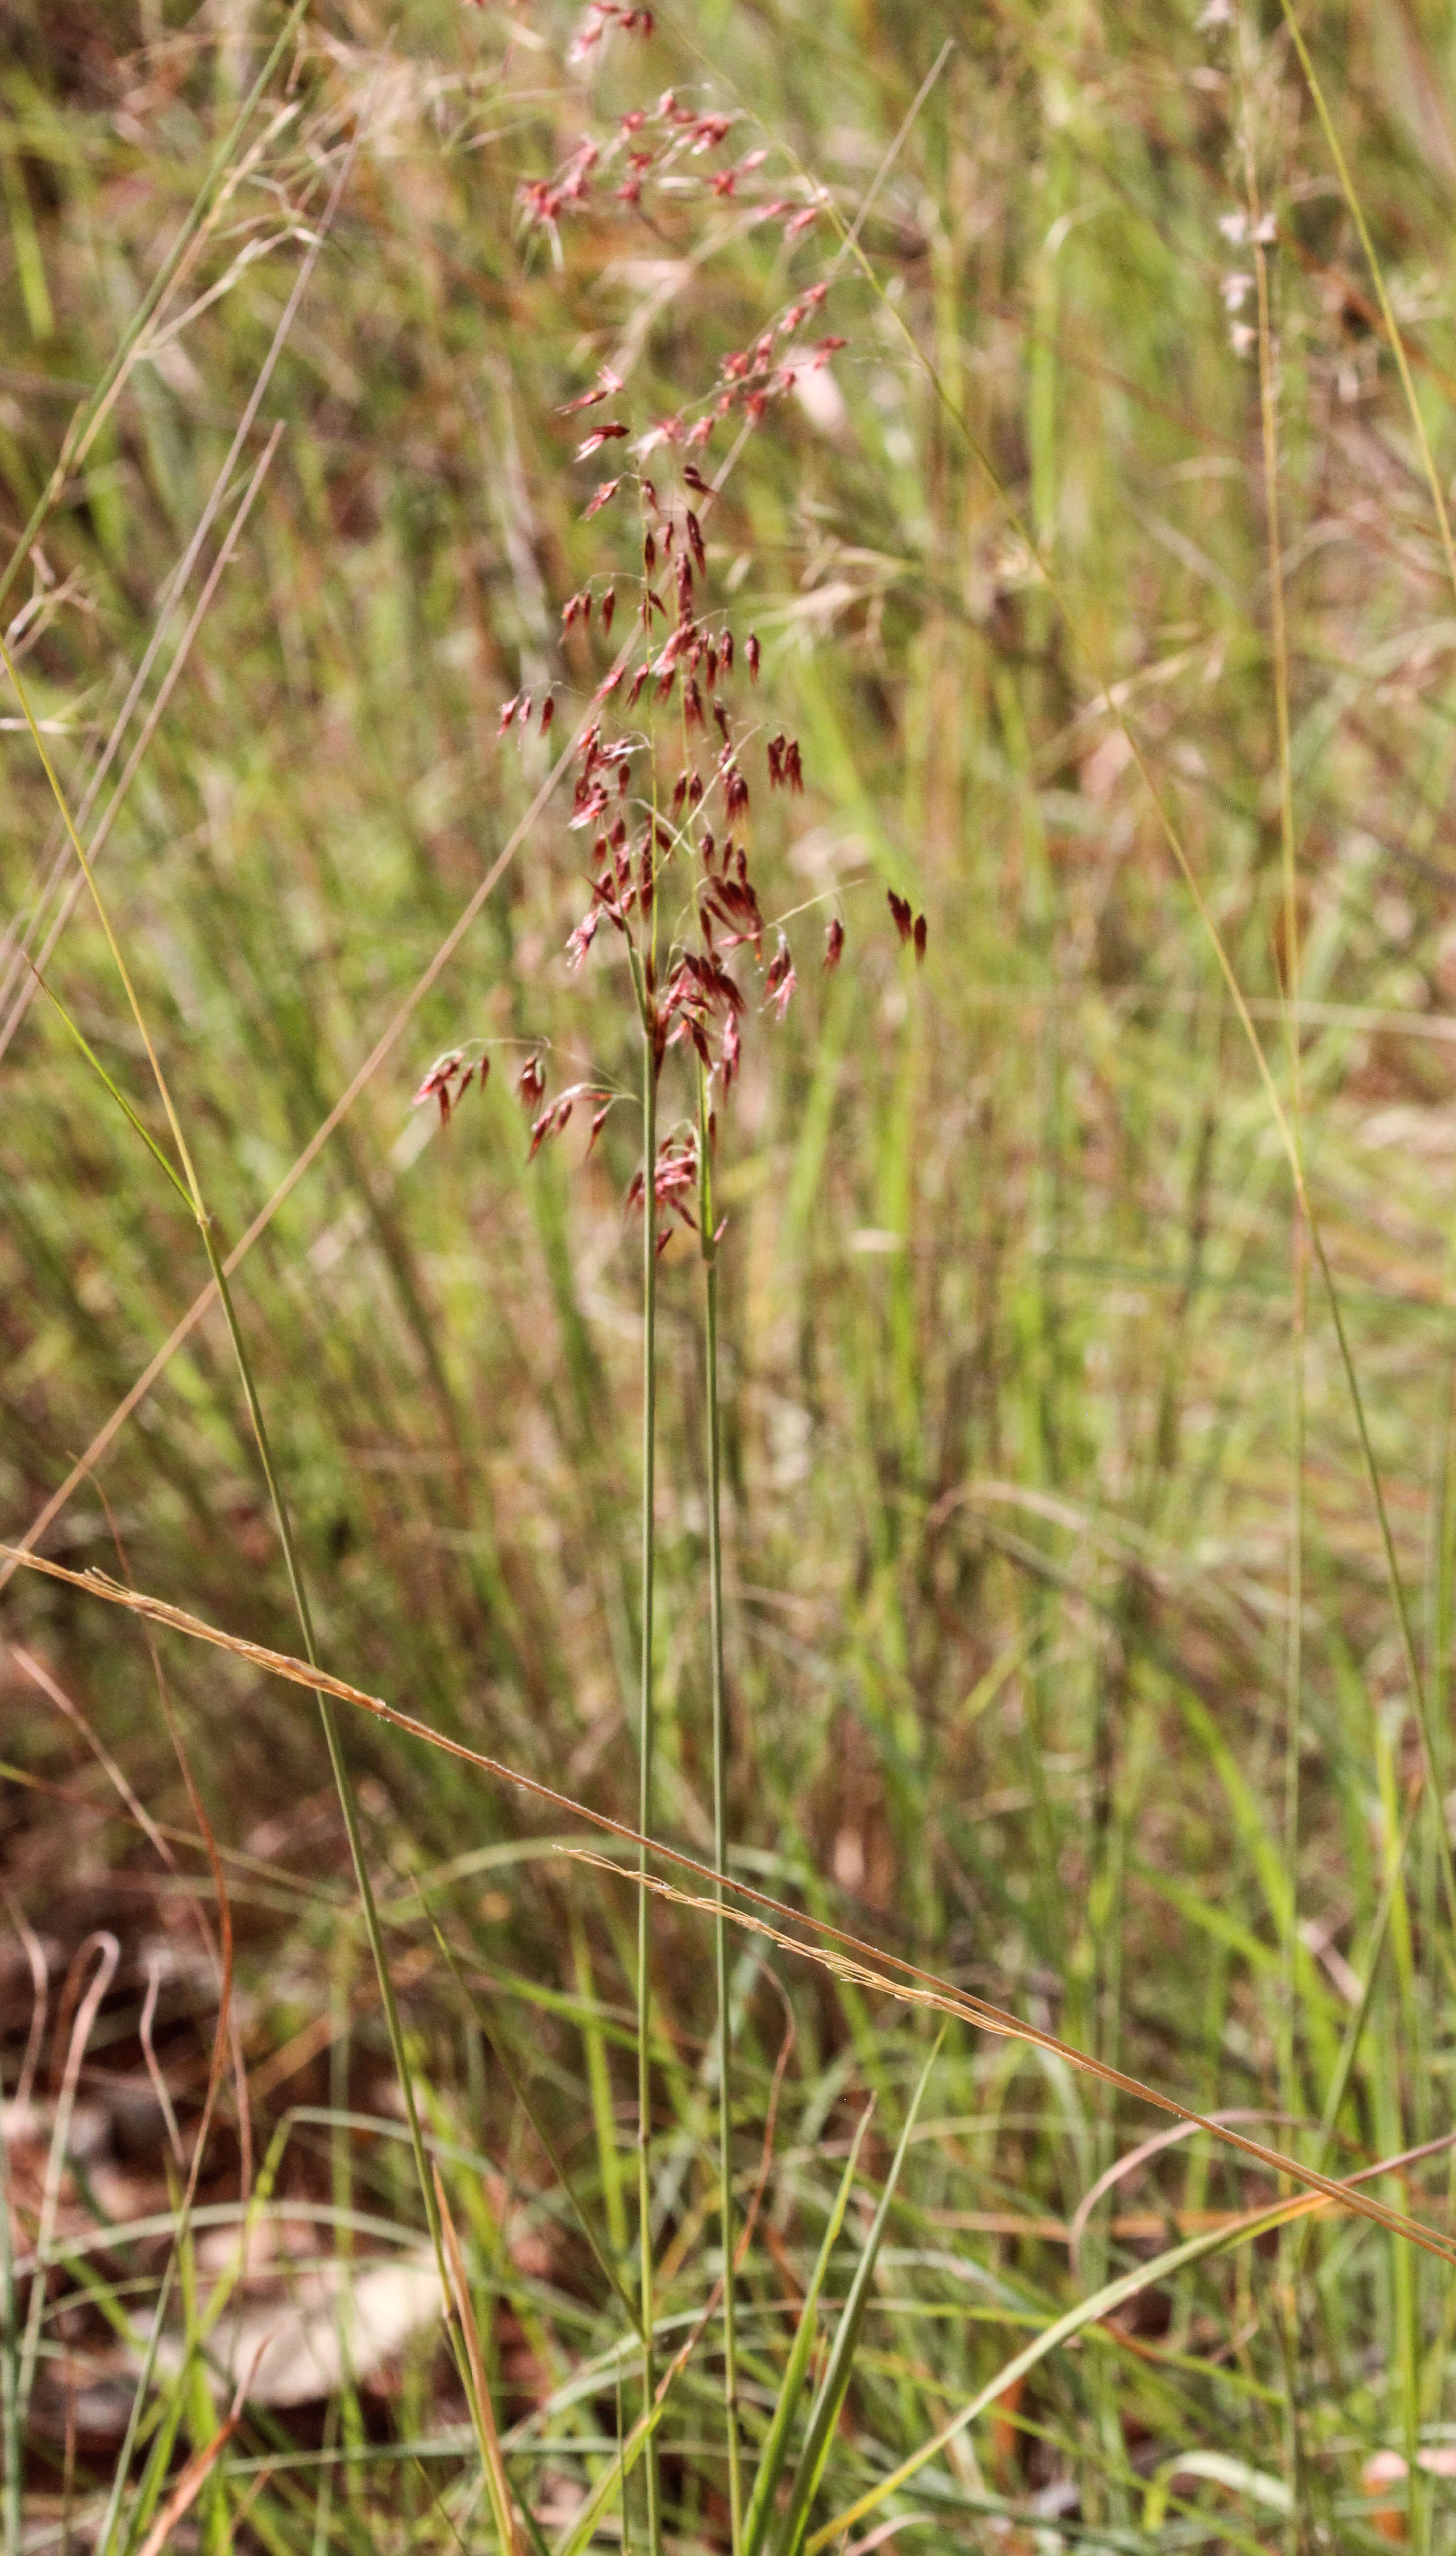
(710, 1247)
(650, 1069)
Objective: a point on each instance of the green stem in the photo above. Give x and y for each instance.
(348, 1804)
(1291, 2093)
(708, 1242)
(343, 1782)
(338, 1762)
(649, 1067)
(10, 2423)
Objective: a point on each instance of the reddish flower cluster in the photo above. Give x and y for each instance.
(675, 1183)
(518, 708)
(900, 908)
(556, 1113)
(450, 1079)
(682, 979)
(599, 20)
(727, 895)
(781, 980)
(698, 995)
(649, 146)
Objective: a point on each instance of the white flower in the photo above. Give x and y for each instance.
(1215, 13)
(1235, 228)
(1236, 290)
(1243, 339)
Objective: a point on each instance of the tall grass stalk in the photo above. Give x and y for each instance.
(708, 1244)
(11, 2411)
(650, 1069)
(1290, 2074)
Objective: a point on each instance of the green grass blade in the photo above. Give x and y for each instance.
(1089, 2311)
(775, 2447)
(837, 2376)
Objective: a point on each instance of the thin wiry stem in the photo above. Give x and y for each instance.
(649, 1067)
(708, 1242)
(348, 1803)
(1291, 2096)
(480, 2408)
(9, 2406)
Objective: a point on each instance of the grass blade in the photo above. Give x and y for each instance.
(1113, 2294)
(775, 2447)
(837, 2376)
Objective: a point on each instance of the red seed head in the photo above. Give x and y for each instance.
(532, 1083)
(779, 981)
(899, 909)
(833, 946)
(439, 1083)
(583, 938)
(919, 940)
(755, 655)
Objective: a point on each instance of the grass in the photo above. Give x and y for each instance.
(1024, 1582)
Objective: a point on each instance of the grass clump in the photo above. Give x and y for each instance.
(856, 614)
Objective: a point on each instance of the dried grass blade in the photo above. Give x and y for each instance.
(496, 2485)
(846, 1956)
